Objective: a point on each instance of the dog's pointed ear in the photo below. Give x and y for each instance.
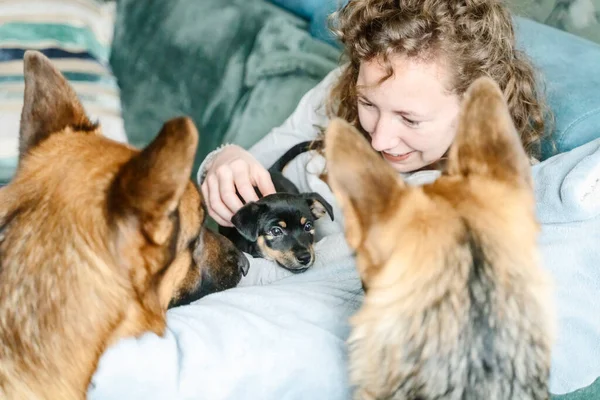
(487, 143)
(150, 185)
(245, 220)
(318, 205)
(363, 183)
(49, 103)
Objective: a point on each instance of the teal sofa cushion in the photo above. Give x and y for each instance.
(191, 57)
(569, 65)
(580, 17)
(285, 63)
(316, 13)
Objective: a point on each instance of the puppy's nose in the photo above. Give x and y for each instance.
(243, 265)
(303, 257)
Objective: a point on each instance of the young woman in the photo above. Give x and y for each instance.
(408, 64)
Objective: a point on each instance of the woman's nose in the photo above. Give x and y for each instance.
(385, 135)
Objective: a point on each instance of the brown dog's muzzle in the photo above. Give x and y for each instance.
(219, 265)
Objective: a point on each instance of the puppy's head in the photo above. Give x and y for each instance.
(282, 225)
(113, 234)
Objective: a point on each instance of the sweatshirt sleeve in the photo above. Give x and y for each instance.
(302, 125)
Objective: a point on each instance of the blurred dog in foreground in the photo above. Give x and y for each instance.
(456, 305)
(97, 240)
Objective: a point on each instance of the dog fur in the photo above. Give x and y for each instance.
(97, 239)
(456, 305)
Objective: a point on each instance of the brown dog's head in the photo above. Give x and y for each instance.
(455, 297)
(96, 236)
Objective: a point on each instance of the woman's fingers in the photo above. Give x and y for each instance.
(234, 171)
(227, 190)
(264, 181)
(243, 180)
(216, 208)
(210, 210)
(246, 190)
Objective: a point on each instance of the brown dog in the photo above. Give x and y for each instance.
(96, 240)
(456, 305)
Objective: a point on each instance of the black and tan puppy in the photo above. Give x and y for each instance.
(456, 303)
(280, 226)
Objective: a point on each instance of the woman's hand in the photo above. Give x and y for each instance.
(233, 168)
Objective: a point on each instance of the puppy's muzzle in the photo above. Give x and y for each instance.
(304, 257)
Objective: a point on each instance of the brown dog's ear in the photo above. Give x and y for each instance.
(150, 185)
(487, 142)
(363, 183)
(49, 103)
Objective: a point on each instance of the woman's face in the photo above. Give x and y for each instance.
(411, 116)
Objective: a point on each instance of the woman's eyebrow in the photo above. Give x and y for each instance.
(408, 113)
(404, 113)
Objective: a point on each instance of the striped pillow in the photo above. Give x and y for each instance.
(76, 35)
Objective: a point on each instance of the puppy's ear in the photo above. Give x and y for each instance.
(487, 143)
(246, 222)
(150, 185)
(363, 183)
(318, 205)
(49, 103)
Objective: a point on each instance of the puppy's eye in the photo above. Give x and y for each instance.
(308, 227)
(276, 231)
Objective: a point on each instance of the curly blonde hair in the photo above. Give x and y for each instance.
(474, 37)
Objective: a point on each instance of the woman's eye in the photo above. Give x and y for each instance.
(365, 103)
(276, 231)
(308, 227)
(410, 122)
